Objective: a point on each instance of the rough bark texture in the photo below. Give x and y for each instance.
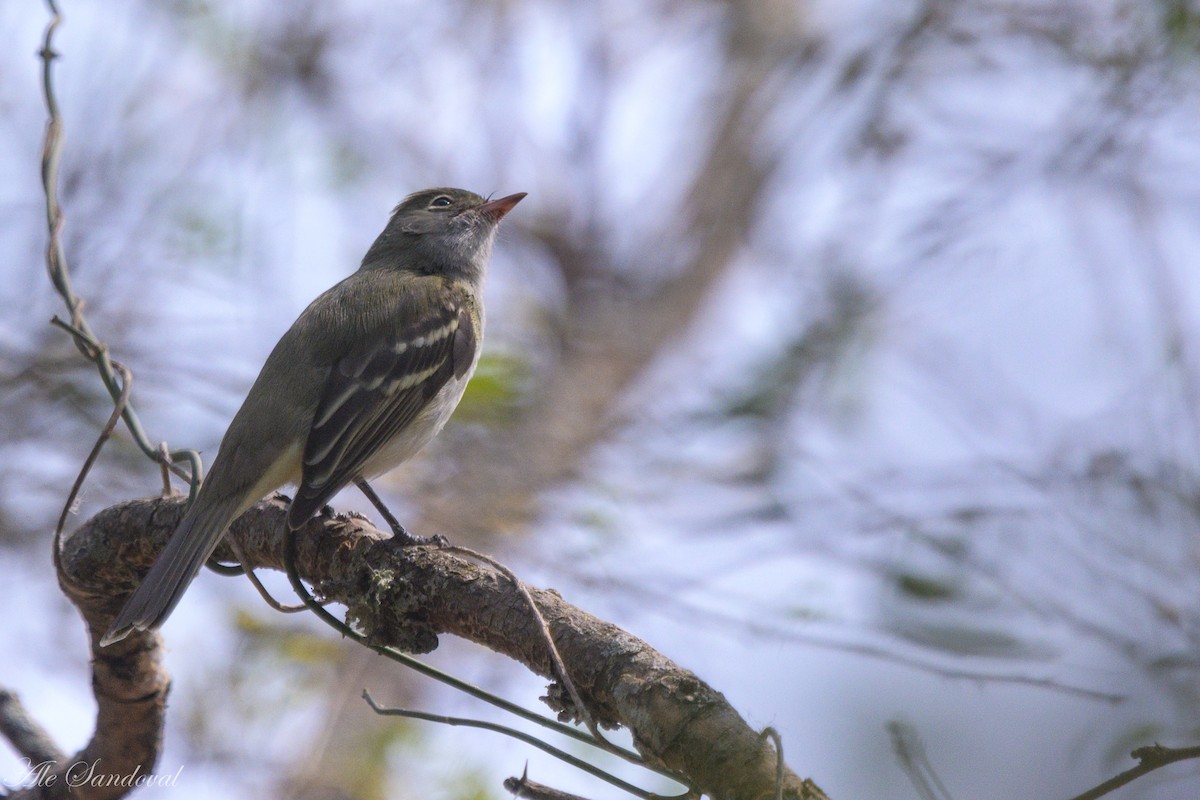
(129, 681)
(406, 597)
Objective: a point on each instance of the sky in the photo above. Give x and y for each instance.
(926, 451)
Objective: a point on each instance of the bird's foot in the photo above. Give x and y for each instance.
(406, 539)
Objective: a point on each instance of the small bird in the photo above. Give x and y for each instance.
(365, 377)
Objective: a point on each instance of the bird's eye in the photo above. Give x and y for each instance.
(441, 202)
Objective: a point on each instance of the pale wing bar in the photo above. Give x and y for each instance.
(371, 396)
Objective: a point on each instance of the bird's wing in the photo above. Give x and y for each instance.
(373, 393)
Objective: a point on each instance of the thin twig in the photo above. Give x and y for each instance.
(521, 736)
(1150, 758)
(60, 274)
(523, 787)
(560, 668)
(245, 569)
(226, 570)
(164, 458)
(915, 763)
(105, 433)
(26, 735)
(773, 735)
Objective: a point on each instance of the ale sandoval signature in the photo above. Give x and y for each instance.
(89, 773)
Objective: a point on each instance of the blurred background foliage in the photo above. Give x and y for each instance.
(846, 351)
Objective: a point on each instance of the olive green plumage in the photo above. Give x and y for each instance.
(365, 377)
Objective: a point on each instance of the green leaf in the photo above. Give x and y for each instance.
(925, 588)
(496, 391)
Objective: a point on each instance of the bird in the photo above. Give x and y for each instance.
(365, 377)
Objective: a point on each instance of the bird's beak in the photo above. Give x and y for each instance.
(495, 209)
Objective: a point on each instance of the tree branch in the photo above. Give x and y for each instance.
(405, 597)
(24, 733)
(130, 684)
(1149, 759)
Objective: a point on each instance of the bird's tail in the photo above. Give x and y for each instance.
(188, 548)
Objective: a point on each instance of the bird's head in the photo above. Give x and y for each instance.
(440, 230)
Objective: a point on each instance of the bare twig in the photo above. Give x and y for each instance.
(523, 787)
(105, 433)
(25, 734)
(910, 752)
(777, 740)
(243, 568)
(1149, 759)
(533, 741)
(164, 458)
(60, 275)
(560, 669)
